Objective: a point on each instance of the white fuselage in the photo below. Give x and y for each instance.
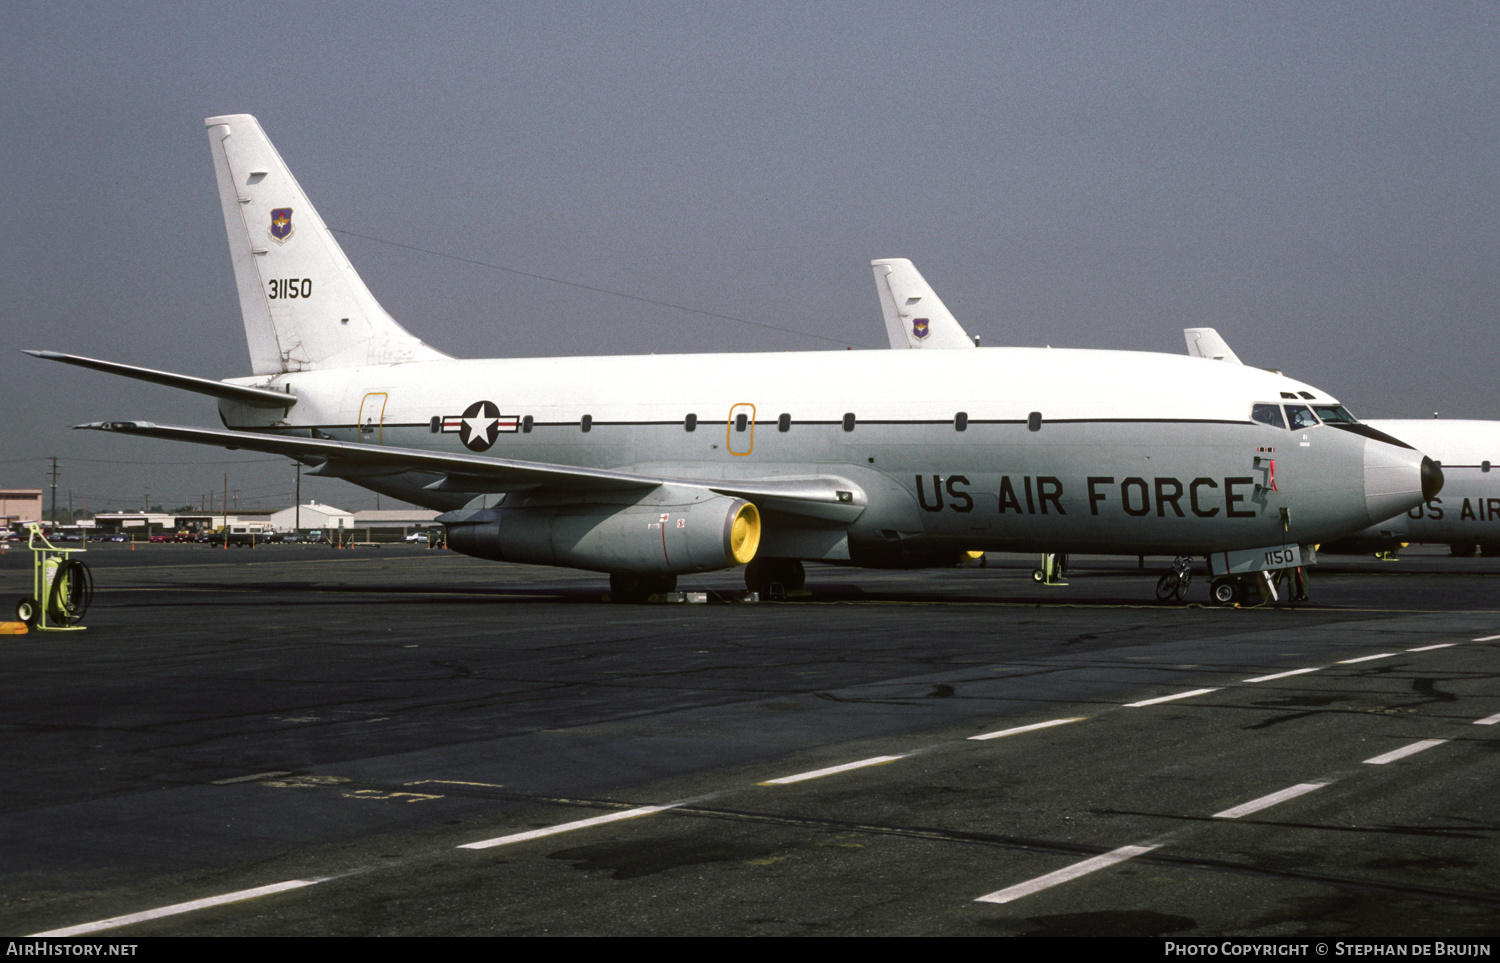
(1059, 449)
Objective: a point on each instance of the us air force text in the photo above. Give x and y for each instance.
(1135, 496)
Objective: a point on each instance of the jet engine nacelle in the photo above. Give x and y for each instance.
(683, 532)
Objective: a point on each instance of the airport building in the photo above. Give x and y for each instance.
(391, 523)
(365, 526)
(310, 516)
(18, 505)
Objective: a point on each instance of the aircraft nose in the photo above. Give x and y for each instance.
(1397, 479)
(1432, 479)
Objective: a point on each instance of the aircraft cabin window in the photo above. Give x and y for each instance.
(1307, 394)
(849, 421)
(526, 424)
(1335, 414)
(1484, 466)
(1034, 421)
(961, 421)
(690, 423)
(1267, 415)
(1288, 394)
(741, 421)
(1300, 417)
(437, 424)
(784, 423)
(586, 423)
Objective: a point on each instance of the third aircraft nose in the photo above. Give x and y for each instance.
(1432, 479)
(1397, 479)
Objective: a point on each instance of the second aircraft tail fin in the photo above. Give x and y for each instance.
(1207, 343)
(915, 317)
(304, 305)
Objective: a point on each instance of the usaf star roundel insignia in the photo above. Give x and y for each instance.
(478, 426)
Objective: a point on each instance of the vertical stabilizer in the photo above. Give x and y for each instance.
(915, 317)
(1206, 343)
(304, 305)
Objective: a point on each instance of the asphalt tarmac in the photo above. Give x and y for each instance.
(298, 741)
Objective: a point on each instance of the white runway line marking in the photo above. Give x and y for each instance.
(1429, 648)
(179, 908)
(1404, 751)
(1180, 695)
(1366, 658)
(567, 827)
(1063, 875)
(1266, 802)
(1489, 720)
(1487, 638)
(1281, 675)
(1031, 728)
(819, 773)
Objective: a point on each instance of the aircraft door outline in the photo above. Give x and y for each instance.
(372, 417)
(739, 433)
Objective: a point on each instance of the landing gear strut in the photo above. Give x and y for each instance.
(1054, 570)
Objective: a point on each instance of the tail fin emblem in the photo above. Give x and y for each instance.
(281, 224)
(919, 328)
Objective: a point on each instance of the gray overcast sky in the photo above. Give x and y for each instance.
(1319, 181)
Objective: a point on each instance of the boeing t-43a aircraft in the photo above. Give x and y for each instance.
(652, 467)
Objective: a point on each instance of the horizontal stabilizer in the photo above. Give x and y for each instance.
(244, 394)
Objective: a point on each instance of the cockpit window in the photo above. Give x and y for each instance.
(1267, 415)
(1335, 415)
(1300, 416)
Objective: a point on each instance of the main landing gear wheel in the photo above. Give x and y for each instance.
(1226, 590)
(629, 587)
(27, 611)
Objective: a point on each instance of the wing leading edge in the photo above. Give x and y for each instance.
(827, 497)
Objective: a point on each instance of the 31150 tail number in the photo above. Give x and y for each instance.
(290, 288)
